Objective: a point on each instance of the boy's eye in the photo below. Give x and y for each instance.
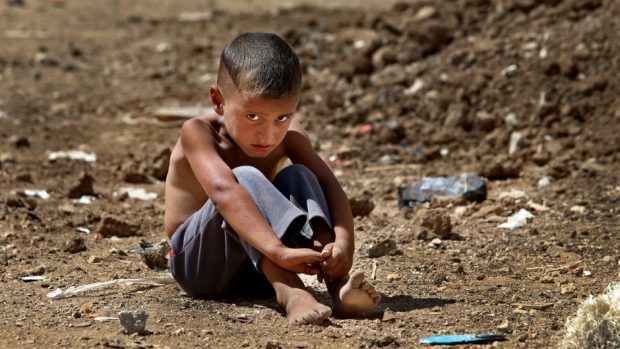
(252, 117)
(282, 118)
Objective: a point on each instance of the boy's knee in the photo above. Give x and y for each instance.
(247, 172)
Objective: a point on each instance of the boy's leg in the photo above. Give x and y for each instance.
(351, 294)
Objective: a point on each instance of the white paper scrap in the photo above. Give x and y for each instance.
(73, 155)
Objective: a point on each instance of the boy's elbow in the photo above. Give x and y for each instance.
(222, 194)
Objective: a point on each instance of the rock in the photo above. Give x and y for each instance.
(133, 321)
(431, 223)
(113, 227)
(501, 168)
(273, 344)
(94, 259)
(379, 249)
(389, 76)
(578, 209)
(438, 279)
(75, 245)
(361, 206)
(384, 56)
(83, 187)
(159, 168)
(19, 142)
(156, 257)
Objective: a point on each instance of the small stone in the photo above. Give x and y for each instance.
(607, 259)
(273, 344)
(133, 321)
(431, 223)
(94, 259)
(113, 227)
(504, 326)
(379, 249)
(75, 245)
(361, 206)
(578, 209)
(393, 277)
(83, 187)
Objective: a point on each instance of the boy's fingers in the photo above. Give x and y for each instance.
(327, 250)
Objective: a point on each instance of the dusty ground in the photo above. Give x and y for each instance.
(392, 94)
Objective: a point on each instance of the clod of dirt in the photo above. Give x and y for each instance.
(83, 187)
(155, 258)
(159, 169)
(75, 245)
(431, 223)
(361, 206)
(19, 142)
(379, 249)
(501, 168)
(113, 227)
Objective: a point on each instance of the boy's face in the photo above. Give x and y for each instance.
(256, 124)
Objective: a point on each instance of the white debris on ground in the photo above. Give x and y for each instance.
(41, 194)
(597, 322)
(73, 155)
(136, 193)
(518, 220)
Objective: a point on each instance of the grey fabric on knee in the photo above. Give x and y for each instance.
(209, 256)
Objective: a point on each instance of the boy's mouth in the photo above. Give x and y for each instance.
(262, 147)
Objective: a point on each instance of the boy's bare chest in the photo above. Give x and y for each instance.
(269, 165)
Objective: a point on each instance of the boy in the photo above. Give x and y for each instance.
(236, 213)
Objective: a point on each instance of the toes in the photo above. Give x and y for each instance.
(357, 279)
(365, 286)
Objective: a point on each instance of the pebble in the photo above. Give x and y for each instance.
(94, 259)
(379, 249)
(361, 206)
(133, 321)
(75, 245)
(83, 187)
(578, 209)
(431, 223)
(113, 227)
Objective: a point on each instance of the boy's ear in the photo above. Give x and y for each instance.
(217, 99)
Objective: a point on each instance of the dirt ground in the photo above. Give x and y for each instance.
(516, 91)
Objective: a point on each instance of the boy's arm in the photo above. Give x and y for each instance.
(232, 200)
(299, 149)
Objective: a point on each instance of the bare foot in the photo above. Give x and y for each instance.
(302, 308)
(352, 295)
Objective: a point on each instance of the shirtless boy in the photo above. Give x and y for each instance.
(249, 201)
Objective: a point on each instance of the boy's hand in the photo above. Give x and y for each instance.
(300, 260)
(338, 262)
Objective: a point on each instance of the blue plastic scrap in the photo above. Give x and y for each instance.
(468, 185)
(463, 338)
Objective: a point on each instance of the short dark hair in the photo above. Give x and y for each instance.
(262, 64)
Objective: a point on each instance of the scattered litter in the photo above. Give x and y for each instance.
(179, 113)
(42, 194)
(468, 185)
(85, 200)
(463, 338)
(544, 181)
(76, 290)
(508, 70)
(31, 278)
(105, 318)
(73, 155)
(83, 230)
(518, 220)
(195, 16)
(587, 273)
(137, 193)
(444, 152)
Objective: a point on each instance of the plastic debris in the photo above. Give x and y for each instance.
(83, 230)
(105, 318)
(73, 155)
(85, 200)
(30, 278)
(463, 338)
(518, 220)
(76, 290)
(42, 194)
(137, 193)
(468, 185)
(133, 321)
(509, 70)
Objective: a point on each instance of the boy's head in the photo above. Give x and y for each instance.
(257, 91)
(260, 65)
